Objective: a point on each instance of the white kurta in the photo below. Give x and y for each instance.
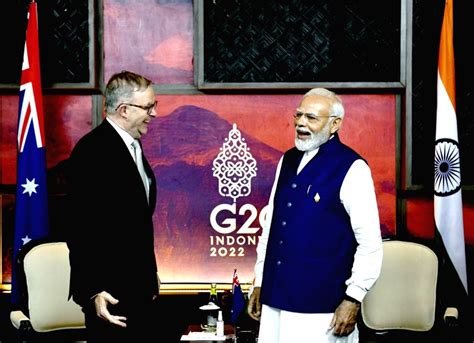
(277, 326)
(357, 194)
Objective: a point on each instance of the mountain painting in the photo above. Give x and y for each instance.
(203, 231)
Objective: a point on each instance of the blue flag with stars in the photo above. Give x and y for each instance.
(31, 212)
(238, 299)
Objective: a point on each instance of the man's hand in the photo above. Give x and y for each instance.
(254, 307)
(344, 320)
(101, 301)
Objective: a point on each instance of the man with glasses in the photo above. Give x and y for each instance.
(321, 249)
(112, 199)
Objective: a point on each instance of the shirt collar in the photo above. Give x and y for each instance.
(127, 138)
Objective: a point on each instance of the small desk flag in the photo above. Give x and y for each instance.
(238, 300)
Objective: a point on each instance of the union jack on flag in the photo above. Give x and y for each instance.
(31, 211)
(238, 299)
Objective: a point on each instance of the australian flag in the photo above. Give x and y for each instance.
(31, 213)
(238, 300)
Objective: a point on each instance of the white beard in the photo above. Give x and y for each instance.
(315, 141)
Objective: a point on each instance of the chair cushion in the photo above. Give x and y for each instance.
(404, 296)
(47, 273)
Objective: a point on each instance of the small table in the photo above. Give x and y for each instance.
(229, 332)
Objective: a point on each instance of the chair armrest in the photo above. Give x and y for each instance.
(20, 321)
(451, 316)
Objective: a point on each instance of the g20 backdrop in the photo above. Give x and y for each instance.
(215, 158)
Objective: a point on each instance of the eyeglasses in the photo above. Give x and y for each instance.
(149, 109)
(310, 117)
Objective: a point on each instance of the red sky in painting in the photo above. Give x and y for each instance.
(67, 118)
(163, 52)
(185, 138)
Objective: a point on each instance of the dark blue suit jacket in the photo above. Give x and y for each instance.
(111, 238)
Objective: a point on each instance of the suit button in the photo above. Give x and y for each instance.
(293, 185)
(283, 223)
(289, 204)
(280, 242)
(278, 263)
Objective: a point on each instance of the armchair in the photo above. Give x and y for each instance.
(50, 311)
(401, 306)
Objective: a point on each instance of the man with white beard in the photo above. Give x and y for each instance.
(321, 248)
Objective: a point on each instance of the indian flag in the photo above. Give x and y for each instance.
(447, 176)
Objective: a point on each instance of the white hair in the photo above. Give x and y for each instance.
(337, 107)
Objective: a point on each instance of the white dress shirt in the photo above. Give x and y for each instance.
(127, 138)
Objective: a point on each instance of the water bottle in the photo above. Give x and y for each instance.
(220, 325)
(213, 306)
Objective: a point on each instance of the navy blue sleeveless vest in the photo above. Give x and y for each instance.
(311, 245)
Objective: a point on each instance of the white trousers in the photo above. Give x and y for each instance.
(278, 326)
